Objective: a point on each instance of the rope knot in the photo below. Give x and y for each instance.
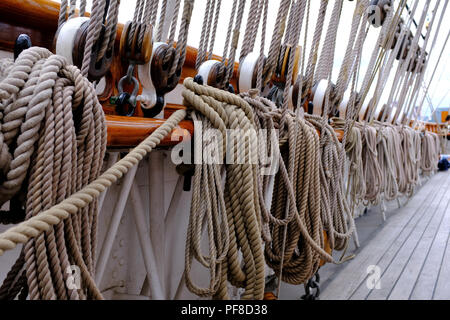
(253, 93)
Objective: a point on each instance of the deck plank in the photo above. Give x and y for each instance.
(426, 282)
(442, 291)
(354, 273)
(404, 285)
(395, 259)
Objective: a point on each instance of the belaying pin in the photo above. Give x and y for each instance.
(198, 79)
(22, 43)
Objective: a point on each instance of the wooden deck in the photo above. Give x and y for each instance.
(411, 252)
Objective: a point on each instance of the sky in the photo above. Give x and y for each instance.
(439, 89)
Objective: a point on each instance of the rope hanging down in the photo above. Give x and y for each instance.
(56, 136)
(67, 213)
(223, 111)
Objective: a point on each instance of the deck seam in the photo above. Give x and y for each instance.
(424, 192)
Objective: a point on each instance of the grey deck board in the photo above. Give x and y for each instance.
(406, 282)
(405, 269)
(409, 249)
(402, 257)
(396, 256)
(354, 273)
(442, 291)
(425, 284)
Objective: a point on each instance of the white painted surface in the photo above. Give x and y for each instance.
(66, 37)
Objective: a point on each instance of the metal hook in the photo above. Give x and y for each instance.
(125, 98)
(156, 109)
(130, 72)
(312, 283)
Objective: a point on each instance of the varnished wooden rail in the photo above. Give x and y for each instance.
(130, 131)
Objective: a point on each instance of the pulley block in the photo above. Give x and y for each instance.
(282, 68)
(248, 72)
(156, 79)
(405, 46)
(294, 94)
(70, 41)
(377, 12)
(137, 53)
(318, 94)
(213, 73)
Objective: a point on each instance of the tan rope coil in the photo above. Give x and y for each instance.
(299, 258)
(227, 111)
(430, 153)
(338, 221)
(61, 201)
(356, 183)
(57, 141)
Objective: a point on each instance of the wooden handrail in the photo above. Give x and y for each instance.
(130, 131)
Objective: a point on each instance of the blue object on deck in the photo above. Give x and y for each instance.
(444, 165)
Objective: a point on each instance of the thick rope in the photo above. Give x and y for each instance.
(61, 206)
(47, 146)
(224, 110)
(43, 221)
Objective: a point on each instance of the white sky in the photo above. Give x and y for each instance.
(439, 90)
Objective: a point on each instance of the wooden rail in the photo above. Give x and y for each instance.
(438, 128)
(130, 131)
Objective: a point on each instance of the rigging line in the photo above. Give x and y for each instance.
(438, 61)
(381, 55)
(399, 76)
(414, 20)
(425, 64)
(405, 66)
(433, 109)
(385, 74)
(444, 68)
(430, 102)
(434, 71)
(405, 105)
(442, 100)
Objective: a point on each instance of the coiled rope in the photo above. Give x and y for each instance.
(338, 221)
(224, 111)
(61, 203)
(55, 130)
